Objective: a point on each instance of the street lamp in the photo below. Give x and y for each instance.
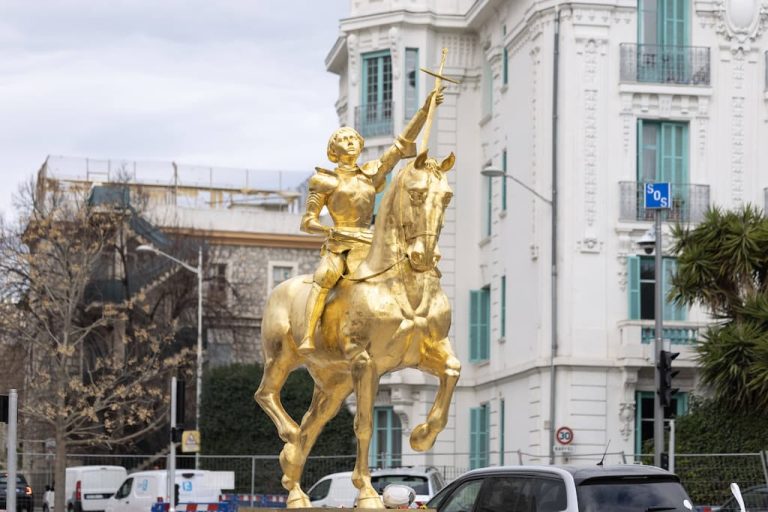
(199, 272)
(494, 172)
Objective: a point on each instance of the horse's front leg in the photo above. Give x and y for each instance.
(442, 363)
(366, 384)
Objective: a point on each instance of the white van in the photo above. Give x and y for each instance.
(142, 489)
(87, 488)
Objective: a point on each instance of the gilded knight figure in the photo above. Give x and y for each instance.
(348, 192)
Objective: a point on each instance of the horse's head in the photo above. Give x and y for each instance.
(424, 195)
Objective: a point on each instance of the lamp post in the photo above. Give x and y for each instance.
(492, 172)
(199, 373)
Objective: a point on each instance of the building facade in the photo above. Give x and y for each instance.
(580, 104)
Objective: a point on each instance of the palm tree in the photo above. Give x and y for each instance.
(723, 266)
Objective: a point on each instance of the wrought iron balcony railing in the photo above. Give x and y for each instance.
(374, 119)
(651, 63)
(689, 202)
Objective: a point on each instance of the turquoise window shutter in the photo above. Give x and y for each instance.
(474, 425)
(502, 440)
(671, 311)
(633, 286)
(504, 180)
(503, 306)
(474, 325)
(485, 324)
(489, 207)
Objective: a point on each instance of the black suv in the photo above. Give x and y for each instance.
(620, 488)
(23, 493)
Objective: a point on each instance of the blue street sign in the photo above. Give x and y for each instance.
(657, 196)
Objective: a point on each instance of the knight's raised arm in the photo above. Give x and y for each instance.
(405, 143)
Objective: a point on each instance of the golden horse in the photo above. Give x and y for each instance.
(390, 314)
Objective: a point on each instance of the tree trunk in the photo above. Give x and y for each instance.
(60, 472)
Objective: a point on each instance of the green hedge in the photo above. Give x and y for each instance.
(232, 423)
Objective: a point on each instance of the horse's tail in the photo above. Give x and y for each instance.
(283, 315)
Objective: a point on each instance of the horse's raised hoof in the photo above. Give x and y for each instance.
(370, 502)
(423, 437)
(297, 499)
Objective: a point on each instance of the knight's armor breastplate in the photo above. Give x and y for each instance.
(351, 203)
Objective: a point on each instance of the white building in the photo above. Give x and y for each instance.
(580, 103)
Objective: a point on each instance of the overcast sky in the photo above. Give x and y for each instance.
(238, 83)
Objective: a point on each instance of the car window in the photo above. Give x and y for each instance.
(320, 490)
(124, 489)
(437, 482)
(523, 493)
(463, 498)
(632, 496)
(20, 480)
(419, 484)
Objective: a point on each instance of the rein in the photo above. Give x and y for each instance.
(402, 236)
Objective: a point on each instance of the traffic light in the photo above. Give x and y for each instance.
(180, 403)
(665, 377)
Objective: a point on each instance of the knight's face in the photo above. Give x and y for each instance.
(346, 143)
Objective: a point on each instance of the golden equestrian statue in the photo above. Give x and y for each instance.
(374, 305)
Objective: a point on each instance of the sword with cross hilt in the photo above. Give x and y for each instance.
(439, 77)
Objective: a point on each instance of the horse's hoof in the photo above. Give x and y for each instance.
(370, 502)
(297, 499)
(422, 438)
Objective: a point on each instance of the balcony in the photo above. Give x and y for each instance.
(689, 202)
(374, 119)
(650, 63)
(636, 338)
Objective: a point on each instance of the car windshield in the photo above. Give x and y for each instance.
(632, 495)
(417, 483)
(19, 480)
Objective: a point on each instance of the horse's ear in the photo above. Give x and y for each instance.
(447, 164)
(421, 160)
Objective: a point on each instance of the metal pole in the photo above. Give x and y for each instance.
(10, 503)
(199, 382)
(553, 244)
(170, 489)
(671, 467)
(658, 410)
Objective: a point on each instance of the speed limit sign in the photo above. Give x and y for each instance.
(564, 435)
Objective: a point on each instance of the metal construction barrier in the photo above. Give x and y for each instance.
(706, 477)
(221, 506)
(258, 500)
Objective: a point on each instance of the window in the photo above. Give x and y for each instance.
(523, 493)
(503, 307)
(387, 442)
(502, 437)
(320, 490)
(505, 67)
(663, 33)
(478, 436)
(280, 271)
(124, 489)
(217, 289)
(642, 289)
(662, 155)
(479, 324)
(644, 415)
(504, 180)
(463, 499)
(411, 82)
(375, 115)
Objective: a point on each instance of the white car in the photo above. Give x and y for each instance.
(87, 488)
(337, 489)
